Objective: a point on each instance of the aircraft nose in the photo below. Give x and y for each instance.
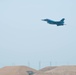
(43, 19)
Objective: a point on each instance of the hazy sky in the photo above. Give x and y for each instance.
(25, 38)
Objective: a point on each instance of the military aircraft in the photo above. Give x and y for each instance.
(58, 23)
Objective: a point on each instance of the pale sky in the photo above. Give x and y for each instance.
(25, 38)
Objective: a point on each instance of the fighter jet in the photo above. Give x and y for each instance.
(58, 23)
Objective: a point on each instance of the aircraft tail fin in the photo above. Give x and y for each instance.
(62, 20)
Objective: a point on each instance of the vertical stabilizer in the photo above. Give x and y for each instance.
(62, 20)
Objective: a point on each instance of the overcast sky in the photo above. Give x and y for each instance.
(25, 38)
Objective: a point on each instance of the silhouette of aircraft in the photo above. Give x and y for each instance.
(58, 23)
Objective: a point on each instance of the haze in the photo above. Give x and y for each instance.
(25, 38)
